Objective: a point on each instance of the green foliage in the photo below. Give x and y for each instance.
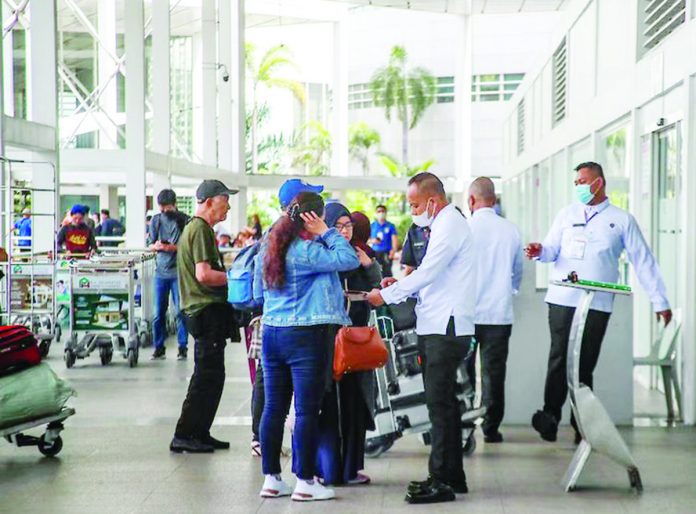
(403, 91)
(266, 206)
(399, 169)
(312, 149)
(361, 138)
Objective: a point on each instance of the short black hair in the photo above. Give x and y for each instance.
(428, 182)
(381, 207)
(105, 212)
(166, 197)
(594, 166)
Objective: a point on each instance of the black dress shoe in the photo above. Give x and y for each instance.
(546, 425)
(493, 437)
(186, 445)
(218, 445)
(458, 486)
(436, 492)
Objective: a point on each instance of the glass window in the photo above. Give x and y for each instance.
(493, 87)
(490, 98)
(513, 76)
(510, 87)
(489, 78)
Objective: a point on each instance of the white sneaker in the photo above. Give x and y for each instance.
(274, 488)
(306, 492)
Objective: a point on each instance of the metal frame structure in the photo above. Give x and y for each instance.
(598, 432)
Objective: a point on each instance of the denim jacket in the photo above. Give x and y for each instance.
(312, 294)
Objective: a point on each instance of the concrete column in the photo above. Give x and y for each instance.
(226, 43)
(161, 101)
(238, 81)
(106, 28)
(208, 73)
(8, 63)
(43, 108)
(108, 199)
(339, 113)
(462, 102)
(135, 123)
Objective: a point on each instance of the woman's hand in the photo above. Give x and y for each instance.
(365, 260)
(314, 224)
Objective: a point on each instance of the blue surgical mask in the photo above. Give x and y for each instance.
(584, 192)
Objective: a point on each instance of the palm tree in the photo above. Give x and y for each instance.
(408, 91)
(312, 149)
(263, 73)
(362, 137)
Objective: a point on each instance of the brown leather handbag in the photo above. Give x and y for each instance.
(358, 349)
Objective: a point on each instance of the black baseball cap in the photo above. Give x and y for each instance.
(212, 188)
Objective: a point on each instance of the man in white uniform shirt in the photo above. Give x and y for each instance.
(588, 237)
(444, 284)
(498, 254)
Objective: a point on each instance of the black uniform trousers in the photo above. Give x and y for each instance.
(442, 356)
(210, 328)
(560, 321)
(493, 343)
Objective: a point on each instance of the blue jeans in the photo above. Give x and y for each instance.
(293, 357)
(159, 322)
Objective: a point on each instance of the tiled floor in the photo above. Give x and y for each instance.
(115, 459)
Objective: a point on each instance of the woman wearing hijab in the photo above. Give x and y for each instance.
(347, 410)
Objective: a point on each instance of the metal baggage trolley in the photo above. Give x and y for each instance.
(108, 297)
(49, 443)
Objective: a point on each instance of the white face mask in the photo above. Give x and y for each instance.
(381, 216)
(423, 219)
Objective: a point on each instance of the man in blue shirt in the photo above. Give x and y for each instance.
(109, 227)
(384, 240)
(23, 227)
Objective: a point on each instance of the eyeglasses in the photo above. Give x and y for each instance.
(343, 226)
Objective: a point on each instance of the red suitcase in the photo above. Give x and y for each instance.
(18, 348)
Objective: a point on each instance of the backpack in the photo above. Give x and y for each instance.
(240, 280)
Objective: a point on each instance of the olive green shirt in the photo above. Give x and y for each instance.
(197, 244)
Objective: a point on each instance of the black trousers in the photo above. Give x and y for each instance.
(210, 329)
(442, 357)
(385, 262)
(493, 343)
(560, 321)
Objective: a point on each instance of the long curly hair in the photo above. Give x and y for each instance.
(284, 232)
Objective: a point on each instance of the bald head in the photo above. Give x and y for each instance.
(481, 194)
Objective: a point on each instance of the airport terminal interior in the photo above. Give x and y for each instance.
(106, 103)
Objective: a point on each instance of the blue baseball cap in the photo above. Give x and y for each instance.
(293, 187)
(77, 209)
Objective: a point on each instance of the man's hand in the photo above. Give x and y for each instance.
(375, 298)
(386, 282)
(392, 254)
(158, 246)
(533, 250)
(665, 315)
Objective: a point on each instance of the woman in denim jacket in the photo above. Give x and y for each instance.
(302, 300)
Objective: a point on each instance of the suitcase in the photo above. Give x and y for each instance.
(18, 349)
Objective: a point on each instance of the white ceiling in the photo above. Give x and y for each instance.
(461, 6)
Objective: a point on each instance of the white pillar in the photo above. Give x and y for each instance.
(8, 65)
(42, 103)
(462, 102)
(161, 125)
(208, 73)
(135, 123)
(339, 114)
(108, 199)
(106, 28)
(225, 87)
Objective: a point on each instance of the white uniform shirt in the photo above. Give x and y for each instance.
(445, 282)
(590, 240)
(498, 254)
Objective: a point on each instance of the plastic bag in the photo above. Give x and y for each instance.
(30, 394)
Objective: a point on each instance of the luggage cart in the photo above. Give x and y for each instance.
(49, 443)
(401, 408)
(109, 295)
(27, 288)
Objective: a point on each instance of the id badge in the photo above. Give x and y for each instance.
(577, 248)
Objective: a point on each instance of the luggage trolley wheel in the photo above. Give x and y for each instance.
(132, 353)
(57, 332)
(50, 449)
(70, 358)
(470, 445)
(105, 355)
(377, 446)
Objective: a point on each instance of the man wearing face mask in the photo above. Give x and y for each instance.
(445, 284)
(384, 240)
(588, 237)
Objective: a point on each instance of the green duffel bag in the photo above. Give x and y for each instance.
(31, 394)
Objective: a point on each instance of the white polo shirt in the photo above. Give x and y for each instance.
(590, 240)
(498, 254)
(445, 282)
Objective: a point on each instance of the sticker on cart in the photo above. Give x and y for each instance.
(22, 296)
(35, 269)
(119, 281)
(101, 311)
